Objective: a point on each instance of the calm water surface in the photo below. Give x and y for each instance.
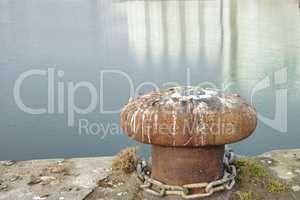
(251, 47)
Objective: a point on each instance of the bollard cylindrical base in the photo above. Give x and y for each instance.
(180, 165)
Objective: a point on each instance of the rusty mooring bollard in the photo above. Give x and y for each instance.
(188, 128)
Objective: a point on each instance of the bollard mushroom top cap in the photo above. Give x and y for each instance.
(188, 116)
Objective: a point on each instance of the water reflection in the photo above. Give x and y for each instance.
(221, 41)
(237, 36)
(174, 30)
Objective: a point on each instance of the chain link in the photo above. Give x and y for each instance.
(160, 189)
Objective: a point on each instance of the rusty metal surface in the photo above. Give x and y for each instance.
(179, 166)
(188, 117)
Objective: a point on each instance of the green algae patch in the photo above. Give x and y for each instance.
(249, 170)
(246, 196)
(275, 186)
(254, 181)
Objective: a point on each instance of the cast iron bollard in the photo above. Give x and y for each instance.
(188, 128)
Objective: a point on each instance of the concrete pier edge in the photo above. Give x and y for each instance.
(77, 178)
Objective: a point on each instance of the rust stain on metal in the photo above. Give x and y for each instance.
(179, 166)
(188, 128)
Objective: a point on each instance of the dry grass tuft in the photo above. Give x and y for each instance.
(126, 160)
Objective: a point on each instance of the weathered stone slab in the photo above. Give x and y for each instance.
(52, 179)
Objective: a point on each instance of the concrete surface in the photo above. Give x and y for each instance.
(285, 165)
(52, 179)
(78, 179)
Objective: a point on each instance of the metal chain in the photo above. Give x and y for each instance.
(160, 189)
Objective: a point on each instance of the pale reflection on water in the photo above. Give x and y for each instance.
(174, 30)
(236, 34)
(226, 42)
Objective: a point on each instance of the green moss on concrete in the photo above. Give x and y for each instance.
(254, 181)
(246, 196)
(250, 170)
(275, 186)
